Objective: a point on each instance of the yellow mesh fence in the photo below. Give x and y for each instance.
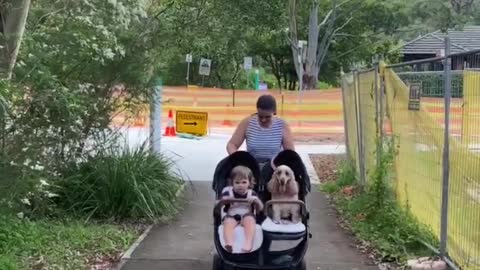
(464, 190)
(419, 155)
(419, 137)
(348, 90)
(367, 112)
(471, 107)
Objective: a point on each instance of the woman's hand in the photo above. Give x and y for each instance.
(237, 137)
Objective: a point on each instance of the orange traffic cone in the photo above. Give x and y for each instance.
(170, 129)
(226, 121)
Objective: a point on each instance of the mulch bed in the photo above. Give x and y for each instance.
(319, 138)
(326, 165)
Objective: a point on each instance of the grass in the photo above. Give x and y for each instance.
(55, 244)
(374, 215)
(133, 184)
(90, 219)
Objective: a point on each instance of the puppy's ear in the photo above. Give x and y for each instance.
(292, 174)
(272, 184)
(292, 186)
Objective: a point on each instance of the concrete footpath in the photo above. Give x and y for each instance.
(187, 243)
(196, 159)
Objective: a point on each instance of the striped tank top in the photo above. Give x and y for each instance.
(264, 143)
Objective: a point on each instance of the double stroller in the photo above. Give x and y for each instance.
(275, 246)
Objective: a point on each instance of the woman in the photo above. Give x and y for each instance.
(265, 133)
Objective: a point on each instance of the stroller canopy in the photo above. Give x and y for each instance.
(222, 171)
(293, 160)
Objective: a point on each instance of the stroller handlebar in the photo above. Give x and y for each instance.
(299, 202)
(223, 202)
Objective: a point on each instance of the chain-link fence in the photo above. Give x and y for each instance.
(431, 108)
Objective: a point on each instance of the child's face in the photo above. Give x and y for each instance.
(241, 185)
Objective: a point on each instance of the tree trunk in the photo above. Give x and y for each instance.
(310, 79)
(276, 69)
(315, 50)
(234, 79)
(14, 17)
(311, 70)
(293, 84)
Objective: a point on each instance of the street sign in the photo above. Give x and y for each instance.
(191, 122)
(204, 68)
(247, 63)
(188, 58)
(414, 97)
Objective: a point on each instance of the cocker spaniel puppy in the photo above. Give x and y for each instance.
(283, 186)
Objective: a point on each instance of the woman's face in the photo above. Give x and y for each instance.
(264, 117)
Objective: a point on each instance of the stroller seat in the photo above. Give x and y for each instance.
(269, 226)
(240, 238)
(221, 175)
(275, 246)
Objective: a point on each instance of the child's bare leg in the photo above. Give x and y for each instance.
(229, 224)
(248, 223)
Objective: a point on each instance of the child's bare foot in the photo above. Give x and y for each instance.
(247, 247)
(229, 248)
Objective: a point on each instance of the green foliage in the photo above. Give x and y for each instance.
(26, 190)
(330, 187)
(441, 15)
(73, 57)
(375, 216)
(126, 184)
(7, 264)
(324, 85)
(346, 176)
(54, 244)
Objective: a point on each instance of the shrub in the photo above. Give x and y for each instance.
(346, 176)
(26, 190)
(130, 184)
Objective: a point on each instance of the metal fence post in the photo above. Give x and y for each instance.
(377, 110)
(345, 121)
(382, 97)
(446, 150)
(156, 118)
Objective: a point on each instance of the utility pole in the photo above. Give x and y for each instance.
(188, 59)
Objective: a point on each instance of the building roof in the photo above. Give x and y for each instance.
(464, 40)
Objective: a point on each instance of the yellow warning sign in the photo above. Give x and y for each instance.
(191, 122)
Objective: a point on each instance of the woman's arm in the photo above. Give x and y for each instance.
(287, 141)
(238, 137)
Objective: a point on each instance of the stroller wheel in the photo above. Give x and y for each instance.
(302, 265)
(217, 263)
